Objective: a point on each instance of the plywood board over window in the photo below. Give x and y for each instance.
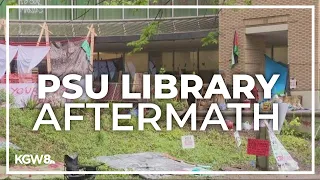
(139, 60)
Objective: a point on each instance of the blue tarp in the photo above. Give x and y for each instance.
(272, 67)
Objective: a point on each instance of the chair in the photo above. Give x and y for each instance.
(71, 163)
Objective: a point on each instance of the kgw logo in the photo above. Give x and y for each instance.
(33, 159)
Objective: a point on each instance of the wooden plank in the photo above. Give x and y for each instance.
(262, 162)
(92, 48)
(5, 38)
(41, 33)
(49, 66)
(89, 32)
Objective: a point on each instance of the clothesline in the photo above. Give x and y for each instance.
(13, 43)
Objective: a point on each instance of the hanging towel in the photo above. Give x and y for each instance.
(235, 50)
(86, 47)
(12, 53)
(112, 68)
(29, 57)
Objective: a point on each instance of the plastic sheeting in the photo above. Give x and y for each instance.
(146, 161)
(272, 67)
(12, 53)
(29, 57)
(69, 58)
(104, 67)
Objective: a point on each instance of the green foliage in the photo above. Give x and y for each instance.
(146, 35)
(12, 3)
(31, 104)
(290, 128)
(12, 152)
(299, 147)
(317, 152)
(248, 2)
(211, 38)
(126, 2)
(3, 97)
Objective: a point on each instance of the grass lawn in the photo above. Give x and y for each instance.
(213, 148)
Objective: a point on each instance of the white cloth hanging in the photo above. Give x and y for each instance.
(29, 57)
(12, 53)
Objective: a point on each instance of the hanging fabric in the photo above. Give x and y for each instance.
(12, 53)
(68, 58)
(29, 57)
(86, 47)
(235, 50)
(272, 67)
(152, 67)
(112, 68)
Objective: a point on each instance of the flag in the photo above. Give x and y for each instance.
(152, 67)
(235, 50)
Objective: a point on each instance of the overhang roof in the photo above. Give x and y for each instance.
(113, 28)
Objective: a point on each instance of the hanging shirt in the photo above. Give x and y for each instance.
(86, 47)
(12, 53)
(29, 57)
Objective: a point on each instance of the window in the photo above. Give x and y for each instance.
(139, 60)
(165, 12)
(186, 61)
(85, 14)
(59, 14)
(135, 13)
(185, 12)
(32, 13)
(167, 62)
(110, 13)
(203, 12)
(208, 64)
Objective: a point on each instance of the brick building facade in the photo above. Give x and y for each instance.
(259, 28)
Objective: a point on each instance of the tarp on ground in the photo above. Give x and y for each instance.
(146, 161)
(69, 58)
(272, 67)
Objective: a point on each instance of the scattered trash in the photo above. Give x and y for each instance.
(253, 163)
(246, 126)
(3, 144)
(237, 138)
(229, 124)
